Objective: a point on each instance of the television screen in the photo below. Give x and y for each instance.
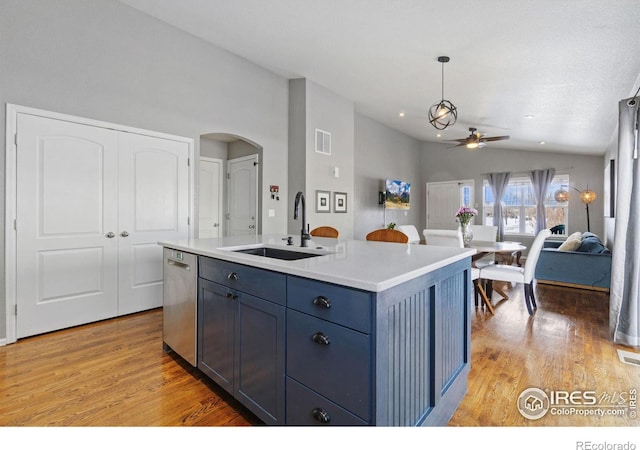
(397, 194)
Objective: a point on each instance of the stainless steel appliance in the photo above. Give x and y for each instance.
(179, 304)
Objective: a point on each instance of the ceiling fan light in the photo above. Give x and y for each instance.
(473, 145)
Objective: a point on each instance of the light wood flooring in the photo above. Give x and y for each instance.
(115, 373)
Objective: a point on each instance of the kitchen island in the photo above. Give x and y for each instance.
(341, 332)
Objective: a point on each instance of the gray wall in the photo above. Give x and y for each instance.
(440, 163)
(103, 60)
(312, 106)
(381, 153)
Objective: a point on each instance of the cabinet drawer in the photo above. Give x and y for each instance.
(338, 368)
(259, 282)
(305, 408)
(348, 307)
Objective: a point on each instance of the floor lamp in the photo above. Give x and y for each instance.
(587, 196)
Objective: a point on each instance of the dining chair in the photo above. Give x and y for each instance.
(387, 235)
(443, 238)
(478, 289)
(325, 231)
(411, 232)
(514, 274)
(485, 233)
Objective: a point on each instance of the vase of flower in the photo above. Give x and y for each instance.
(465, 216)
(467, 234)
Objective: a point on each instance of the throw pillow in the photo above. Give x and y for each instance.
(571, 244)
(592, 244)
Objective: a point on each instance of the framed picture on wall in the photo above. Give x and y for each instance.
(323, 203)
(340, 202)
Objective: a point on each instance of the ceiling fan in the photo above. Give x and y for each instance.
(476, 140)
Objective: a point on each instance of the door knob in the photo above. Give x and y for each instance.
(110, 234)
(124, 234)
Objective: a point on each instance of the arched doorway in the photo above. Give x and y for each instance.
(238, 195)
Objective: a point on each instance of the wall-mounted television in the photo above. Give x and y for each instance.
(397, 194)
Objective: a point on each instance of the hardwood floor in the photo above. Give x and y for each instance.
(564, 346)
(110, 373)
(115, 373)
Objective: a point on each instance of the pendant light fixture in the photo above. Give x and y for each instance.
(443, 113)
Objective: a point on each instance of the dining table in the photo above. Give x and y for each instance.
(484, 248)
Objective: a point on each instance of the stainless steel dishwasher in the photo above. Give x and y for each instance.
(179, 304)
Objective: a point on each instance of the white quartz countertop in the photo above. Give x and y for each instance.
(371, 266)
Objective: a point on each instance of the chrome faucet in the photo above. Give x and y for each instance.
(304, 233)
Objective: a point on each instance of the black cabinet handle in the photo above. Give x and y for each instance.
(322, 301)
(321, 338)
(232, 276)
(321, 415)
(232, 296)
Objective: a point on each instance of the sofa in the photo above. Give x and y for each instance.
(581, 261)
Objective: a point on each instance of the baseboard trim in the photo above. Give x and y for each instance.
(573, 285)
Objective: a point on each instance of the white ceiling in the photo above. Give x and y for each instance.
(566, 62)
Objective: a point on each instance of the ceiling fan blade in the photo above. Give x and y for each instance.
(494, 138)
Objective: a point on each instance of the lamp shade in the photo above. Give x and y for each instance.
(587, 196)
(561, 195)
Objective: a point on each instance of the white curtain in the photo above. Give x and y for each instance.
(624, 310)
(541, 179)
(498, 183)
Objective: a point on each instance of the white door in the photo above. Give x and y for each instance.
(210, 205)
(153, 205)
(66, 261)
(242, 196)
(91, 205)
(443, 201)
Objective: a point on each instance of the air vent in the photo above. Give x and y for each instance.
(629, 357)
(323, 142)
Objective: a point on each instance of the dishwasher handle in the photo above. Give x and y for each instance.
(178, 264)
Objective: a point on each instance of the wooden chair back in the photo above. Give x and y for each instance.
(325, 231)
(387, 235)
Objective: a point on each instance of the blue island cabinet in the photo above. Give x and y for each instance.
(241, 334)
(400, 357)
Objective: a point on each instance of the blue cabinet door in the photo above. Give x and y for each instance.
(260, 357)
(216, 321)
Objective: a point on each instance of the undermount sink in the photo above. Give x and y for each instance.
(278, 253)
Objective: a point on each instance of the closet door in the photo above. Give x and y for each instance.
(66, 241)
(153, 206)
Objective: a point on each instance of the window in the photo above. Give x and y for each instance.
(519, 205)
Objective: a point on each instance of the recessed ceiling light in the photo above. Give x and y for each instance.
(402, 114)
(438, 135)
(542, 142)
(529, 116)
